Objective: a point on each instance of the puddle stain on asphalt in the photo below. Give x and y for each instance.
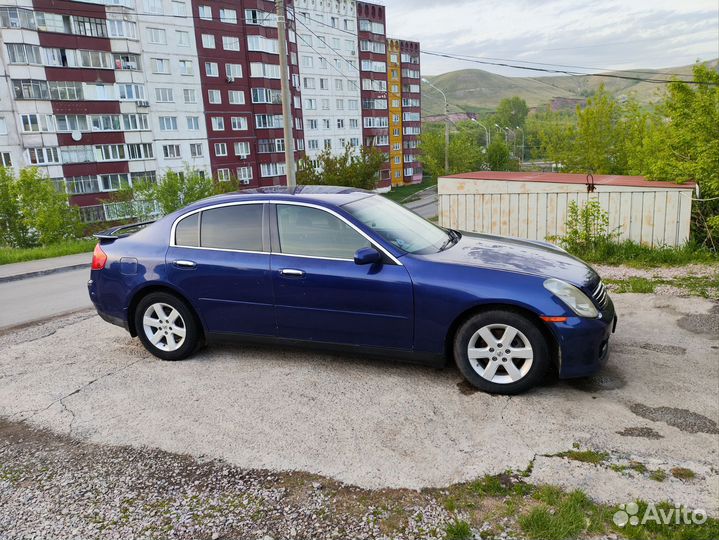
(607, 379)
(687, 421)
(643, 432)
(702, 323)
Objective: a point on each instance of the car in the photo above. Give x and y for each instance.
(349, 270)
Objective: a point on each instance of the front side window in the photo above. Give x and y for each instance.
(315, 233)
(398, 226)
(236, 227)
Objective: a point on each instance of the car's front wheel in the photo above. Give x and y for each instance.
(501, 352)
(166, 326)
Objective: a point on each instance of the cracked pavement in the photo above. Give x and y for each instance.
(375, 423)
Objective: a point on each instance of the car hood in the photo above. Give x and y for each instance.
(516, 255)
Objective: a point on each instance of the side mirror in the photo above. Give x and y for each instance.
(367, 255)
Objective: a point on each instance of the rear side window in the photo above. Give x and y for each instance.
(187, 231)
(232, 227)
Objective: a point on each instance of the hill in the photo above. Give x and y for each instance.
(475, 90)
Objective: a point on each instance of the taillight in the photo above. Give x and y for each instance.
(98, 258)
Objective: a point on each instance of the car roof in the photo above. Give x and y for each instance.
(330, 195)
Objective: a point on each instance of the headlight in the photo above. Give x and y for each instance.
(577, 301)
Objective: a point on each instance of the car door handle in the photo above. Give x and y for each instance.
(292, 272)
(185, 264)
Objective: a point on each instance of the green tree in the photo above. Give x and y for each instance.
(32, 211)
(174, 190)
(349, 168)
(498, 156)
(466, 148)
(511, 112)
(683, 143)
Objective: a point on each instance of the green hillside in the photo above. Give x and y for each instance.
(475, 90)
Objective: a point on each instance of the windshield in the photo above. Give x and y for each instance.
(400, 227)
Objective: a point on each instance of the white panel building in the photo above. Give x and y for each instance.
(327, 49)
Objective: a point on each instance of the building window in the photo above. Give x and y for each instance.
(171, 151)
(186, 67)
(239, 123)
(262, 44)
(164, 95)
(205, 13)
(193, 123)
(272, 169)
(6, 160)
(236, 97)
(161, 65)
(179, 9)
(42, 156)
(168, 123)
(208, 41)
(183, 38)
(157, 36)
(220, 149)
(230, 43)
(211, 69)
(223, 175)
(266, 71)
(214, 96)
(36, 123)
(218, 123)
(233, 71)
(190, 95)
(244, 174)
(228, 16)
(242, 149)
(261, 18)
(195, 150)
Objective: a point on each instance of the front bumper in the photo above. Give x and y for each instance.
(584, 343)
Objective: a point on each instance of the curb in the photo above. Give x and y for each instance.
(38, 273)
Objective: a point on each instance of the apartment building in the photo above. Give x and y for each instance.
(102, 93)
(330, 77)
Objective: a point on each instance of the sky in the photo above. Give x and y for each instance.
(601, 34)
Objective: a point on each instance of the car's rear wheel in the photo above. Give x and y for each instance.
(501, 352)
(166, 326)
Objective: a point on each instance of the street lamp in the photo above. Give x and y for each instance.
(487, 138)
(505, 130)
(446, 125)
(521, 156)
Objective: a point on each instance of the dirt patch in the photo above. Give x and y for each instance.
(702, 323)
(687, 421)
(643, 432)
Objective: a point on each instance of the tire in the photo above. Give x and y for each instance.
(174, 337)
(492, 369)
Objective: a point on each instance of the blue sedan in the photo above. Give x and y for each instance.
(345, 268)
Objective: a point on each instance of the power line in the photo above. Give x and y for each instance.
(352, 64)
(652, 72)
(564, 72)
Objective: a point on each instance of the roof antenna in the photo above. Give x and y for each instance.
(590, 183)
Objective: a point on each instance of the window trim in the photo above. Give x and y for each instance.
(270, 230)
(265, 228)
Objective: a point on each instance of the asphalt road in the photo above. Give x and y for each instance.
(376, 423)
(42, 297)
(427, 204)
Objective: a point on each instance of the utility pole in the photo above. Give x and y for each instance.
(286, 97)
(446, 125)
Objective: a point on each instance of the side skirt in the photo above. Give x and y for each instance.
(411, 357)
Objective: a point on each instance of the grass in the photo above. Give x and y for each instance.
(634, 285)
(658, 475)
(564, 515)
(673, 531)
(458, 530)
(638, 256)
(683, 473)
(401, 193)
(70, 247)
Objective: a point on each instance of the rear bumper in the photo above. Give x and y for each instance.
(584, 343)
(112, 318)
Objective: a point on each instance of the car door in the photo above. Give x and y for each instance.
(219, 257)
(322, 295)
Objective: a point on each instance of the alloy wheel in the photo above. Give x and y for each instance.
(164, 327)
(500, 353)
